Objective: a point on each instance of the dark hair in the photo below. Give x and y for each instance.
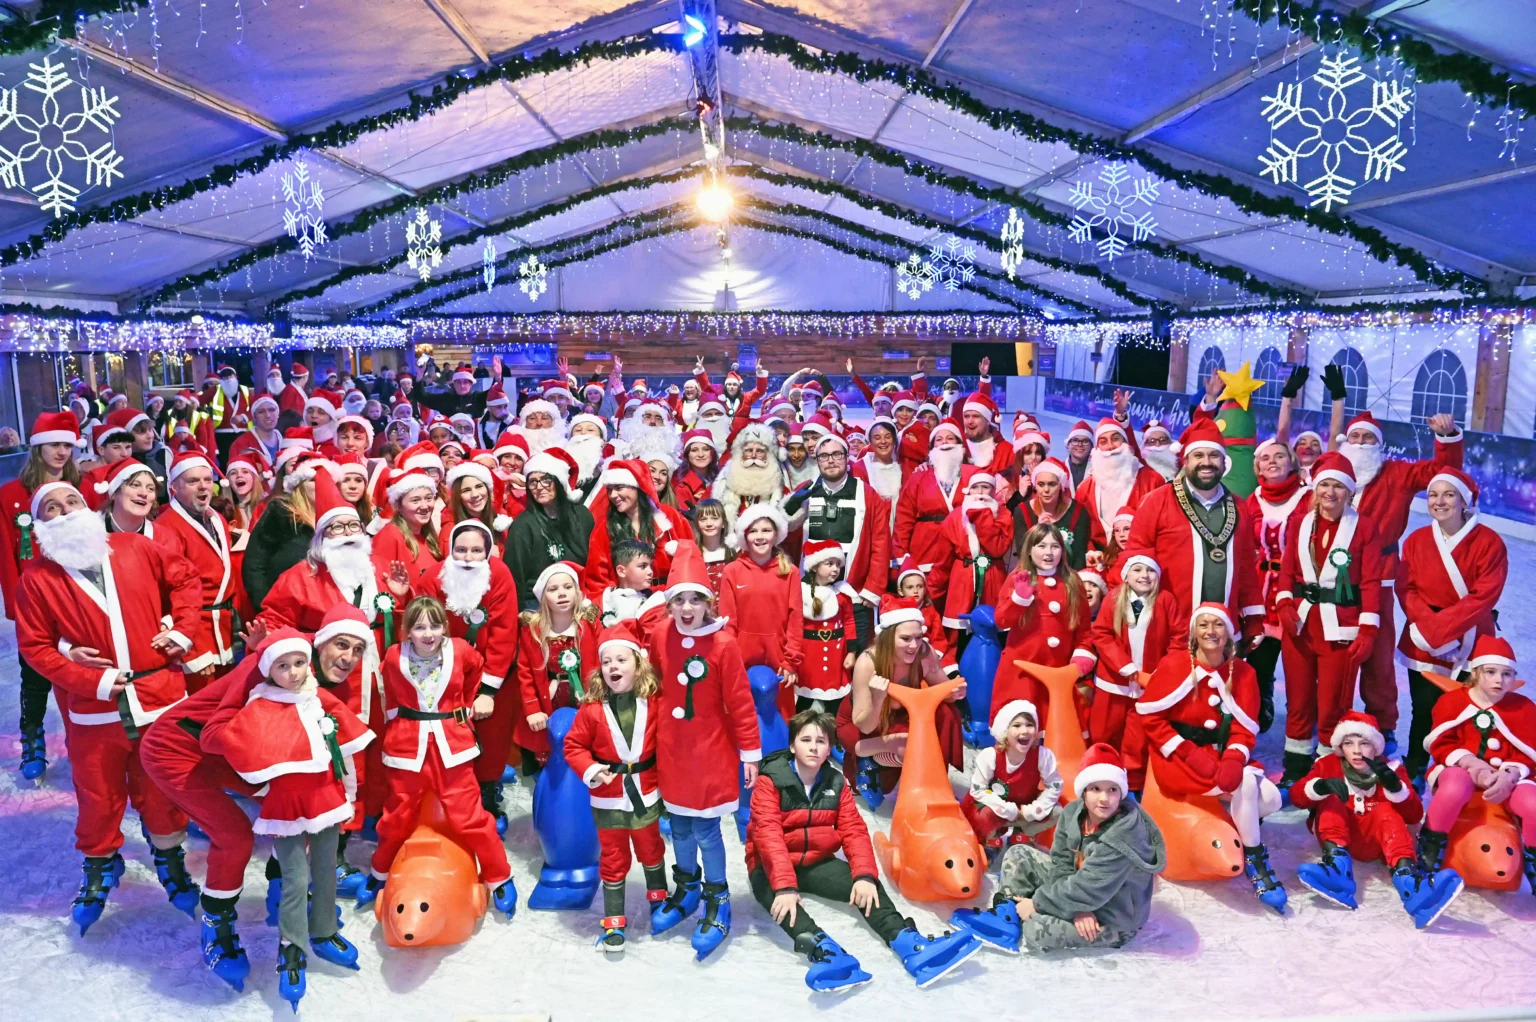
(814, 718)
(628, 550)
(288, 419)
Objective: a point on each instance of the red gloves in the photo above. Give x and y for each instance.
(1290, 620)
(1023, 589)
(1202, 762)
(1084, 664)
(1360, 649)
(1230, 774)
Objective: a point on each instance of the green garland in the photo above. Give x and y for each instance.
(1475, 76)
(54, 20)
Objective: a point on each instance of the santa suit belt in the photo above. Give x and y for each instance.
(823, 634)
(124, 711)
(1203, 735)
(628, 772)
(228, 604)
(1269, 566)
(932, 519)
(1314, 593)
(461, 714)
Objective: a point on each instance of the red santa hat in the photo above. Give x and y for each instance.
(570, 568)
(1031, 434)
(831, 400)
(621, 633)
(1361, 725)
(817, 423)
(755, 513)
(897, 610)
(185, 462)
(1491, 650)
(329, 503)
(1140, 556)
(1090, 575)
(40, 494)
(589, 387)
(592, 420)
(264, 399)
(481, 456)
(296, 440)
(907, 566)
(1459, 481)
(1264, 445)
(302, 468)
(1101, 764)
(497, 395)
(404, 480)
(903, 399)
(811, 388)
(1108, 425)
(1365, 420)
(831, 440)
(55, 428)
(299, 372)
(1334, 465)
(1051, 466)
(185, 394)
(344, 619)
(1215, 610)
(1303, 435)
(982, 405)
(818, 550)
(698, 436)
(538, 404)
(454, 443)
(1202, 434)
(328, 401)
(711, 404)
(469, 470)
(126, 419)
(625, 472)
(881, 420)
(1125, 514)
(977, 477)
(253, 459)
(551, 389)
(345, 464)
(513, 441)
(946, 426)
(119, 474)
(1155, 428)
(279, 644)
(1080, 431)
(557, 462)
(472, 524)
(1005, 714)
(360, 422)
(688, 573)
(420, 457)
(638, 387)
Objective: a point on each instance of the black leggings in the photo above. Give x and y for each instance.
(830, 879)
(1424, 695)
(1263, 659)
(34, 697)
(828, 706)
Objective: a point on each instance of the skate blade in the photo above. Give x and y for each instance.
(1460, 886)
(1328, 897)
(975, 950)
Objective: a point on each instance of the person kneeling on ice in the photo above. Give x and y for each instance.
(1094, 889)
(803, 815)
(298, 739)
(1015, 786)
(1360, 805)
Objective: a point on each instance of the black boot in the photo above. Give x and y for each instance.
(171, 868)
(1432, 849)
(34, 753)
(490, 799)
(1297, 765)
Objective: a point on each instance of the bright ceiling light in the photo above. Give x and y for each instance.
(715, 202)
(695, 33)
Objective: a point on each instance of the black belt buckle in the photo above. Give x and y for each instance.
(461, 715)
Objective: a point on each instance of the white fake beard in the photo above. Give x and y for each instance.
(541, 440)
(759, 481)
(349, 560)
(1366, 460)
(229, 387)
(885, 478)
(808, 407)
(464, 583)
(275, 385)
(646, 442)
(77, 540)
(973, 501)
(1114, 476)
(354, 407)
(946, 462)
(588, 452)
(324, 434)
(982, 450)
(719, 428)
(1162, 460)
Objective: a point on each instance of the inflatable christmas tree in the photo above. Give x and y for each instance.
(1235, 419)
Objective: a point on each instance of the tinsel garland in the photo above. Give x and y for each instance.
(53, 20)
(1476, 77)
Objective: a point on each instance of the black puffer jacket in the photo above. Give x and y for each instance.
(278, 542)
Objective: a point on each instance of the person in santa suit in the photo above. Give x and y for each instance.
(879, 466)
(193, 529)
(826, 612)
(297, 740)
(980, 535)
(111, 443)
(1079, 448)
(1015, 786)
(710, 533)
(588, 446)
(1385, 492)
(1044, 609)
(557, 647)
(1329, 606)
(511, 454)
(760, 598)
(242, 501)
(434, 687)
(130, 491)
(497, 418)
(295, 395)
(799, 466)
(110, 595)
(752, 474)
(281, 537)
(411, 538)
(1200, 534)
(1117, 478)
(1359, 805)
(351, 474)
(262, 434)
(1270, 509)
(476, 588)
(873, 727)
(612, 747)
(472, 495)
(1047, 499)
(1450, 578)
(912, 585)
(1156, 449)
(700, 464)
(1138, 628)
(229, 410)
(984, 445)
(1203, 748)
(1031, 446)
(50, 459)
(1483, 743)
(628, 508)
(322, 415)
(930, 493)
(707, 746)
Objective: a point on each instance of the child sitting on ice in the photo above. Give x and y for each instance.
(802, 816)
(710, 530)
(1359, 805)
(631, 596)
(1015, 786)
(612, 747)
(1094, 889)
(298, 739)
(827, 626)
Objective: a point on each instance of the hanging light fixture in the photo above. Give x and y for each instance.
(715, 202)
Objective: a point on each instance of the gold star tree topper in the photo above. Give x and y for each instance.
(1239, 385)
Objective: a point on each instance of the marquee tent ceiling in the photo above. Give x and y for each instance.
(594, 166)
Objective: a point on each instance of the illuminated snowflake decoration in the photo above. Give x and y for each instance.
(423, 250)
(953, 261)
(303, 209)
(532, 278)
(914, 277)
(56, 139)
(488, 264)
(1334, 129)
(1110, 215)
(1013, 242)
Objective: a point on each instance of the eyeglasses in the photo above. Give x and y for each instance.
(541, 482)
(831, 455)
(345, 527)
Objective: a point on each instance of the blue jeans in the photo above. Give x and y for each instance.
(690, 835)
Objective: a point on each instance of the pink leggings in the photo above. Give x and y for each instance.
(1454, 787)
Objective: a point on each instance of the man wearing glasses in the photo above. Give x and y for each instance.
(844, 508)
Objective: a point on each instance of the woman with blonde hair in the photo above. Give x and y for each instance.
(282, 535)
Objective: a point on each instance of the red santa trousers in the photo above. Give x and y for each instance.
(494, 733)
(459, 794)
(1378, 675)
(1319, 684)
(614, 862)
(108, 777)
(1377, 833)
(199, 786)
(1113, 720)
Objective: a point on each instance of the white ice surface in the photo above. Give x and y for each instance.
(1210, 950)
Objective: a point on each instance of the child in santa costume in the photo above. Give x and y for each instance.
(431, 681)
(411, 535)
(709, 532)
(557, 648)
(631, 597)
(1329, 610)
(1270, 509)
(1200, 747)
(1095, 589)
(612, 747)
(1094, 888)
(298, 740)
(1015, 786)
(1360, 805)
(1132, 634)
(912, 584)
(826, 607)
(980, 534)
(1044, 610)
(706, 734)
(1483, 743)
(760, 595)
